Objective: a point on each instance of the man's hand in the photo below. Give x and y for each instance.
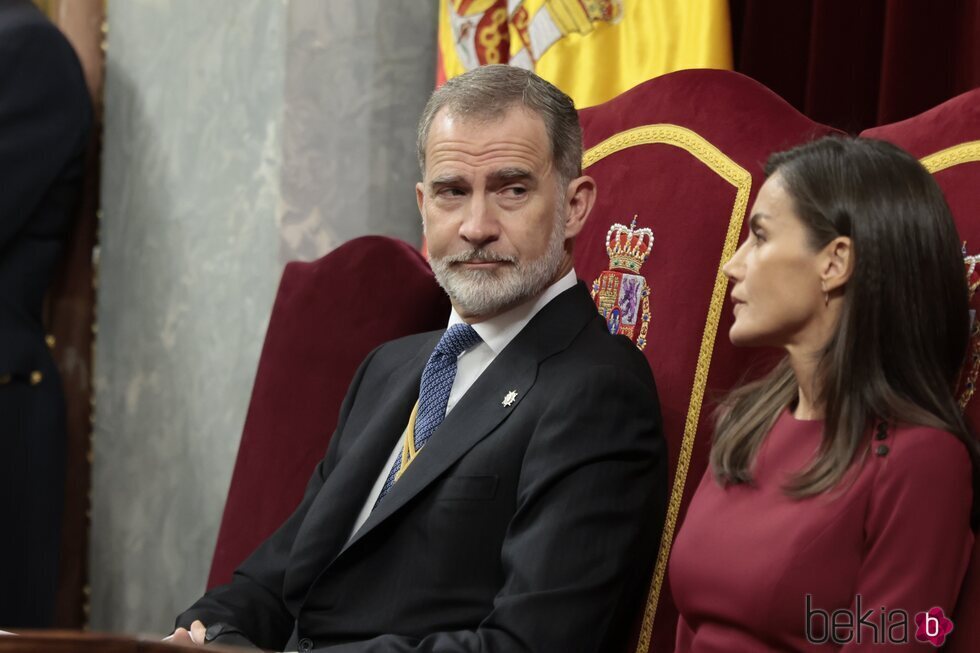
(193, 636)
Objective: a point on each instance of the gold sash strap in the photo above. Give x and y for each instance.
(408, 443)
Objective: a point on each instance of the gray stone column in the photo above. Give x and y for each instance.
(238, 134)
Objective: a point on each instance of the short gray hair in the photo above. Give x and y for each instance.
(487, 92)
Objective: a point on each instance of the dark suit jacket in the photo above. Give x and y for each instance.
(528, 527)
(45, 117)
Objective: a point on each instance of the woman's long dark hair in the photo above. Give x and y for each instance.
(904, 324)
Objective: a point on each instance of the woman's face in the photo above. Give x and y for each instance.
(776, 277)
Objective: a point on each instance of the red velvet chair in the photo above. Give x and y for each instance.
(328, 315)
(682, 152)
(947, 141)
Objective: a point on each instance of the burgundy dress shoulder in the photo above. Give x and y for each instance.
(755, 570)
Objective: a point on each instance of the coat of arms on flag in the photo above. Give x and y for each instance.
(621, 294)
(483, 30)
(593, 50)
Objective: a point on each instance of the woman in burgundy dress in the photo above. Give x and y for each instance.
(836, 511)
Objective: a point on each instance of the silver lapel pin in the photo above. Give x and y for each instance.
(509, 399)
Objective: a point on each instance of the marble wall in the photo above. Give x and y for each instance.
(238, 134)
(357, 77)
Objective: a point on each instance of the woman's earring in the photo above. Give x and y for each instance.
(826, 295)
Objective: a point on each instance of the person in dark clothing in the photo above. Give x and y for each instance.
(45, 117)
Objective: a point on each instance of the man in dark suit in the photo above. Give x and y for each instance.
(501, 485)
(45, 117)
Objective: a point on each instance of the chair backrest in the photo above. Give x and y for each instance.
(947, 141)
(684, 154)
(328, 315)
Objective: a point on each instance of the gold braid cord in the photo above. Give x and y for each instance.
(968, 152)
(740, 178)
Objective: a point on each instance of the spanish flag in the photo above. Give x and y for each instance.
(591, 49)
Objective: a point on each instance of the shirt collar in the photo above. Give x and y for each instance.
(498, 331)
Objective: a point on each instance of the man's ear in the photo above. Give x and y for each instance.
(579, 200)
(836, 263)
(420, 200)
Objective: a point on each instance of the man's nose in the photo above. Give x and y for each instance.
(479, 225)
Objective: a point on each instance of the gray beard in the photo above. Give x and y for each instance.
(485, 292)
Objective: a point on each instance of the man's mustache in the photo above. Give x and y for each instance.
(478, 256)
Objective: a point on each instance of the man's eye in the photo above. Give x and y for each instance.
(515, 191)
(451, 192)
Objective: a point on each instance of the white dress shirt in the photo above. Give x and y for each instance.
(497, 332)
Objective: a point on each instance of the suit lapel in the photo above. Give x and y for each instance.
(476, 414)
(481, 409)
(327, 525)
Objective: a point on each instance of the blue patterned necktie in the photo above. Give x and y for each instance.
(437, 381)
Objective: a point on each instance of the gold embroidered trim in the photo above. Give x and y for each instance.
(968, 152)
(741, 179)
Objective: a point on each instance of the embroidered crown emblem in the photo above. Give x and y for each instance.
(967, 383)
(621, 294)
(628, 247)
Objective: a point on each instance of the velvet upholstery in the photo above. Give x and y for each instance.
(689, 169)
(328, 315)
(695, 214)
(854, 65)
(947, 140)
(661, 151)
